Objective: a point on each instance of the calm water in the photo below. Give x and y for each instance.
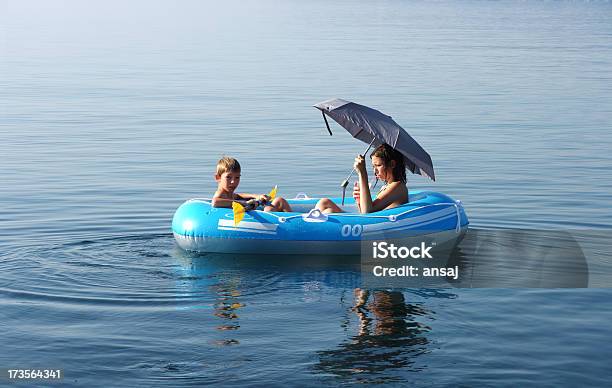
(112, 114)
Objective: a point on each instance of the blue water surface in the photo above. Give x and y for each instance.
(113, 113)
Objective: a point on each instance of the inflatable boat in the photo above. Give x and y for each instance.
(200, 227)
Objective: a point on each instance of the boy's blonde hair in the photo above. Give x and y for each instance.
(226, 164)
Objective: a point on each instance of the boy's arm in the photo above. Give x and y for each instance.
(243, 198)
(222, 202)
(219, 200)
(248, 196)
(261, 198)
(227, 202)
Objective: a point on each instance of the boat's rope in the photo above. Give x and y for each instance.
(391, 217)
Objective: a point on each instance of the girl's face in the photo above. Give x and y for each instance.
(228, 181)
(382, 171)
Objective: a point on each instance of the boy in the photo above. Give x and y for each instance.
(228, 179)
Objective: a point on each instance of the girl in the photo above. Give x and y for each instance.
(389, 167)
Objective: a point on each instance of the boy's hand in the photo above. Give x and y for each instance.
(252, 204)
(264, 198)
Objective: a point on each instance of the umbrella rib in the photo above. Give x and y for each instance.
(326, 123)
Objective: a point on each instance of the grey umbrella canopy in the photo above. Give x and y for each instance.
(373, 127)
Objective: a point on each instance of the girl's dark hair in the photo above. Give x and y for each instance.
(387, 154)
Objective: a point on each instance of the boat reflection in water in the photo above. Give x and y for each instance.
(390, 334)
(208, 286)
(388, 328)
(385, 332)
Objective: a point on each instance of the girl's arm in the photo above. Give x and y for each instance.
(395, 192)
(392, 194)
(365, 197)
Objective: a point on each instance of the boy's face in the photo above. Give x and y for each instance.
(228, 181)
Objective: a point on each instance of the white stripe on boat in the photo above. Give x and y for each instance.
(247, 226)
(408, 227)
(247, 230)
(410, 221)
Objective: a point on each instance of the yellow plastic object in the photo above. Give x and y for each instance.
(272, 194)
(238, 212)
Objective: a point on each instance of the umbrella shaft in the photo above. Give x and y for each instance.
(353, 170)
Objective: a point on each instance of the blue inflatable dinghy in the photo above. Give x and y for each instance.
(200, 227)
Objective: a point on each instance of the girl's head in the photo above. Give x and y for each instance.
(388, 164)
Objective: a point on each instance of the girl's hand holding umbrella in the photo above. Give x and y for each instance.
(359, 165)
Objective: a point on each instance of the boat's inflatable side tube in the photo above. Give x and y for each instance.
(198, 226)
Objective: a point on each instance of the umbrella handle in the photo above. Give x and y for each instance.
(346, 181)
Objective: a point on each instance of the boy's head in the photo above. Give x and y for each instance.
(226, 164)
(228, 174)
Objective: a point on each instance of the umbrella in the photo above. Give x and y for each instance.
(374, 128)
